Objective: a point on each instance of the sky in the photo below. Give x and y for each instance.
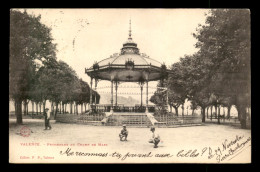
(84, 36)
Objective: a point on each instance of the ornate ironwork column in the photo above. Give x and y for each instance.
(146, 109)
(141, 86)
(96, 81)
(90, 97)
(116, 86)
(111, 110)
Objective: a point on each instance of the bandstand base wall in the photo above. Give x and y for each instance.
(130, 119)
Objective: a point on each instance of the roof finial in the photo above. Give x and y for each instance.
(130, 38)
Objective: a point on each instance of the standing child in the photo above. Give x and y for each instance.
(47, 117)
(123, 134)
(155, 137)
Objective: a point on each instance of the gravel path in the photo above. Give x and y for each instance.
(172, 140)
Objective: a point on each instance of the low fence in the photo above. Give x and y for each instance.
(94, 119)
(67, 118)
(190, 119)
(173, 120)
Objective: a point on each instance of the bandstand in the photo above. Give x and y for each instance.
(128, 66)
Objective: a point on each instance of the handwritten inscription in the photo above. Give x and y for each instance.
(117, 155)
(189, 153)
(224, 152)
(227, 150)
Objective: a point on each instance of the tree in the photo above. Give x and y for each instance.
(174, 100)
(193, 106)
(225, 43)
(201, 99)
(158, 99)
(63, 84)
(30, 41)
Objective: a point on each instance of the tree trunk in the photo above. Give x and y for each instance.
(242, 113)
(238, 114)
(24, 107)
(70, 107)
(224, 114)
(27, 104)
(77, 109)
(57, 106)
(85, 107)
(36, 104)
(40, 107)
(211, 107)
(15, 108)
(176, 110)
(182, 107)
(218, 114)
(32, 108)
(170, 108)
(192, 112)
(19, 118)
(60, 108)
(66, 108)
(216, 111)
(203, 114)
(228, 112)
(207, 112)
(81, 108)
(52, 108)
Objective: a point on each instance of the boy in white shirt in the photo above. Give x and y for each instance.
(155, 137)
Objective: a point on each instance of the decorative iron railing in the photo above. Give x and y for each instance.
(122, 108)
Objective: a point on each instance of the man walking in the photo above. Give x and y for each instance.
(47, 117)
(155, 137)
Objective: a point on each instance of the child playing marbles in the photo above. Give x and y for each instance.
(123, 134)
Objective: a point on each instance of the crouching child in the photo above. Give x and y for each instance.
(123, 134)
(155, 137)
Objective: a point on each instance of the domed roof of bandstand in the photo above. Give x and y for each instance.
(129, 65)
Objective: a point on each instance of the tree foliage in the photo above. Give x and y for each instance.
(219, 73)
(34, 72)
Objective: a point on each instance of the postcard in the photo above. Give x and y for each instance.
(130, 86)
